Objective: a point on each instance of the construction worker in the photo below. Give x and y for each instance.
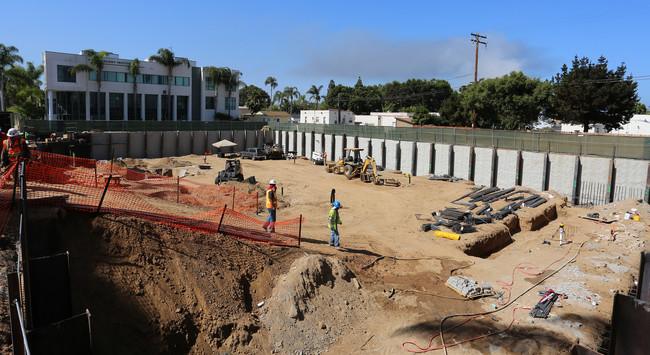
(334, 221)
(271, 206)
(14, 148)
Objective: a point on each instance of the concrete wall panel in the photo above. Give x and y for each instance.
(229, 136)
(251, 139)
(351, 142)
(137, 147)
(101, 146)
(441, 163)
(630, 178)
(198, 142)
(328, 148)
(239, 137)
(119, 144)
(309, 144)
(184, 143)
(169, 144)
(506, 168)
(365, 144)
(423, 159)
(561, 173)
(392, 160)
(154, 144)
(212, 137)
(483, 166)
(377, 152)
(300, 142)
(532, 170)
(461, 161)
(339, 146)
(407, 157)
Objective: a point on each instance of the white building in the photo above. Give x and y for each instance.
(639, 124)
(74, 97)
(386, 119)
(327, 117)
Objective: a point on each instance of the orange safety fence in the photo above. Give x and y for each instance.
(79, 184)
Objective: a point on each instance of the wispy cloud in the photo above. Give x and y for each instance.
(350, 54)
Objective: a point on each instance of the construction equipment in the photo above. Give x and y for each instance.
(232, 172)
(348, 164)
(274, 152)
(368, 173)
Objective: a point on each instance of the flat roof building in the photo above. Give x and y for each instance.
(75, 97)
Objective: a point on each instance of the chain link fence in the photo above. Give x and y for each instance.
(46, 126)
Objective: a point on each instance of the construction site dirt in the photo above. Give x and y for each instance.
(153, 288)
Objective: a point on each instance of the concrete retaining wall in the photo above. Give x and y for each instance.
(251, 139)
(377, 151)
(338, 146)
(184, 143)
(212, 137)
(424, 159)
(300, 142)
(441, 162)
(532, 166)
(365, 144)
(631, 177)
(101, 148)
(169, 144)
(408, 157)
(198, 142)
(483, 166)
(392, 155)
(461, 161)
(328, 147)
(137, 148)
(229, 136)
(562, 168)
(309, 144)
(506, 169)
(239, 137)
(154, 144)
(351, 142)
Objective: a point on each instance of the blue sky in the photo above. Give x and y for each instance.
(301, 43)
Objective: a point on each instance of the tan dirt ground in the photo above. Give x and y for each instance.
(153, 288)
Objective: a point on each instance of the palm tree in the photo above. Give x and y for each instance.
(23, 90)
(8, 58)
(134, 70)
(96, 64)
(167, 58)
(315, 93)
(233, 82)
(271, 81)
(218, 76)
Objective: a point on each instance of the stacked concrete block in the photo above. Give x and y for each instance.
(154, 144)
(442, 163)
(101, 146)
(184, 143)
(532, 167)
(464, 285)
(506, 168)
(561, 173)
(137, 145)
(424, 162)
(461, 161)
(483, 166)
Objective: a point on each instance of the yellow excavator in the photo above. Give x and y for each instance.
(351, 165)
(368, 173)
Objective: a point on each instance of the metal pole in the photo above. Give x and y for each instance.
(178, 189)
(108, 182)
(299, 230)
(22, 327)
(225, 207)
(233, 198)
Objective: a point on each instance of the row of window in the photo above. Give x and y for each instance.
(230, 103)
(210, 86)
(63, 75)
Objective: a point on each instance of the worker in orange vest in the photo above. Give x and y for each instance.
(14, 148)
(271, 206)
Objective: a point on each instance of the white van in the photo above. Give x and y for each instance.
(317, 158)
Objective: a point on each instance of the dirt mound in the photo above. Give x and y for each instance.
(316, 302)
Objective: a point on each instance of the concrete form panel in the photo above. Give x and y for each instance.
(561, 172)
(136, 145)
(483, 166)
(285, 141)
(169, 144)
(506, 170)
(300, 139)
(631, 176)
(119, 144)
(277, 137)
(407, 156)
(532, 170)
(229, 136)
(154, 144)
(198, 142)
(260, 139)
(391, 155)
(309, 144)
(291, 141)
(339, 146)
(442, 159)
(377, 152)
(461, 161)
(101, 146)
(350, 142)
(365, 144)
(328, 147)
(213, 137)
(239, 137)
(594, 169)
(184, 143)
(251, 139)
(423, 159)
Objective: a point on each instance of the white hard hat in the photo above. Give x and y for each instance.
(13, 132)
(272, 182)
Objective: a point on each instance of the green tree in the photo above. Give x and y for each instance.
(134, 70)
(416, 92)
(8, 59)
(247, 91)
(24, 94)
(640, 109)
(452, 113)
(167, 58)
(290, 93)
(314, 91)
(233, 81)
(95, 63)
(217, 76)
(590, 93)
(359, 83)
(283, 101)
(255, 101)
(273, 82)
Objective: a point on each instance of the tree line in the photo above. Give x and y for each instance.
(584, 93)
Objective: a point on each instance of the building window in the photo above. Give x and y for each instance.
(116, 106)
(209, 102)
(231, 103)
(93, 106)
(208, 84)
(63, 74)
(181, 108)
(70, 105)
(165, 110)
(135, 107)
(151, 107)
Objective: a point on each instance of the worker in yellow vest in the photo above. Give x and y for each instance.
(13, 148)
(271, 206)
(333, 222)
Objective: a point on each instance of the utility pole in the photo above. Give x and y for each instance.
(477, 40)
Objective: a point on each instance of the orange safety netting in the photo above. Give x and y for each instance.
(79, 184)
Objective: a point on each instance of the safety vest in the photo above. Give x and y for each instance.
(271, 201)
(14, 148)
(334, 220)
